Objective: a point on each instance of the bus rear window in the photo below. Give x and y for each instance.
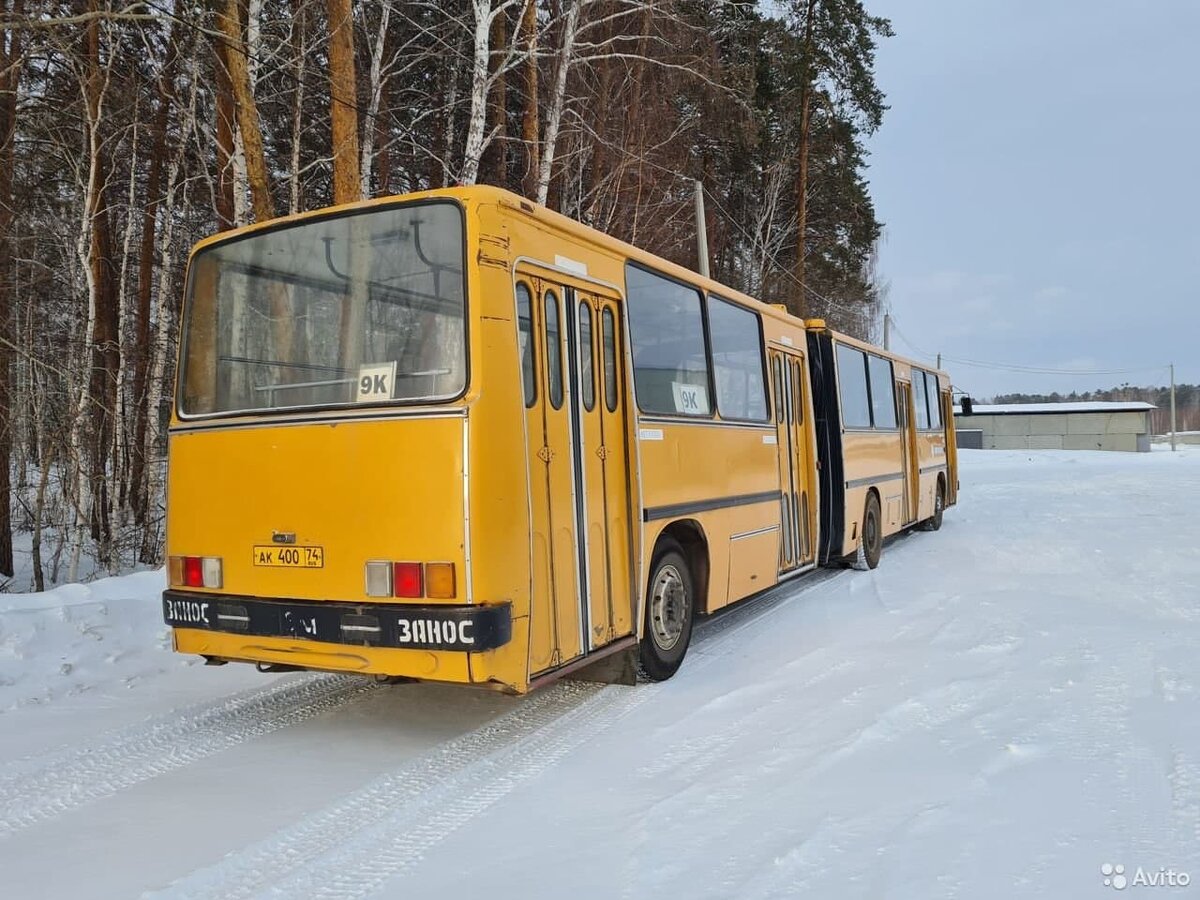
(360, 308)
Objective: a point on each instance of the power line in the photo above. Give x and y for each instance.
(1019, 368)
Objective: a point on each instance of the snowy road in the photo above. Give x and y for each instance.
(997, 711)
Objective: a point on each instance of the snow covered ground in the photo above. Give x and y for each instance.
(999, 710)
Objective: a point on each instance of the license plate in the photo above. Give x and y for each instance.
(289, 557)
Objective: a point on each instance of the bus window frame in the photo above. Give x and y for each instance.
(859, 429)
(293, 411)
(709, 296)
(532, 399)
(891, 363)
(931, 403)
(711, 415)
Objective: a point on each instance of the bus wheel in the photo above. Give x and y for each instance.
(934, 522)
(670, 609)
(870, 546)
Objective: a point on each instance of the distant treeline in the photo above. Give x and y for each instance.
(1187, 402)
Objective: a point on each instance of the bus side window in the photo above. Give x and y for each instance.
(610, 360)
(935, 411)
(525, 337)
(778, 391)
(587, 368)
(919, 399)
(554, 373)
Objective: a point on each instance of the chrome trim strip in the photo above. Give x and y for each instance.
(792, 573)
(711, 423)
(318, 419)
(755, 533)
(874, 479)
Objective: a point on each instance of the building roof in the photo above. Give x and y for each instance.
(1026, 409)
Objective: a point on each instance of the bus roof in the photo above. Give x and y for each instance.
(479, 194)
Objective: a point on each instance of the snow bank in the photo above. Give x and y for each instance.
(81, 637)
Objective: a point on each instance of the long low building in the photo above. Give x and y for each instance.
(1055, 426)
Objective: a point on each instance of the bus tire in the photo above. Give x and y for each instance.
(870, 544)
(934, 522)
(670, 611)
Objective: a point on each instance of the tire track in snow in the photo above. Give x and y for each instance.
(353, 847)
(81, 775)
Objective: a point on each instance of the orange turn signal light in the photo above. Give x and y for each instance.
(439, 580)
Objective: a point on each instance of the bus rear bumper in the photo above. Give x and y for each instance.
(358, 627)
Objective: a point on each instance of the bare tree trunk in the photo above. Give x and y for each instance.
(119, 447)
(799, 304)
(529, 116)
(161, 352)
(247, 113)
(226, 123)
(103, 313)
(10, 73)
(87, 251)
(377, 82)
(141, 372)
(495, 158)
(448, 133)
(347, 186)
(558, 100)
(476, 132)
(282, 323)
(299, 55)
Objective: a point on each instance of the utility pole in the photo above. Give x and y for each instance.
(701, 231)
(939, 362)
(1172, 406)
(887, 331)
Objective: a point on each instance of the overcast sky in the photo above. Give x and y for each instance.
(1038, 175)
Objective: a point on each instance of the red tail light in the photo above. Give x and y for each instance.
(193, 571)
(407, 579)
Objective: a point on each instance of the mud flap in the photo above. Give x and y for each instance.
(615, 668)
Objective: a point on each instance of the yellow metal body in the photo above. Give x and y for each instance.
(902, 467)
(556, 516)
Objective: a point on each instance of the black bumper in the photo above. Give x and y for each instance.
(467, 629)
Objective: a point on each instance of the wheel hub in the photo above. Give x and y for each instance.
(668, 607)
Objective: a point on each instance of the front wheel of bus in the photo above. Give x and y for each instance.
(670, 609)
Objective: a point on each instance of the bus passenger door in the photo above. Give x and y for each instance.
(796, 546)
(601, 466)
(908, 450)
(556, 627)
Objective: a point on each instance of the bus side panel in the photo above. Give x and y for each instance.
(872, 459)
(828, 423)
(499, 490)
(731, 470)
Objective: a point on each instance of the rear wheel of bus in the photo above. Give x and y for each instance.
(934, 522)
(870, 544)
(670, 611)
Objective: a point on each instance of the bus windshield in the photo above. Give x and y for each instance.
(366, 307)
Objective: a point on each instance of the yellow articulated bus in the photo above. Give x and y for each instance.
(457, 437)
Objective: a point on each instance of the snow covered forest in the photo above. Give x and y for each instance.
(128, 131)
